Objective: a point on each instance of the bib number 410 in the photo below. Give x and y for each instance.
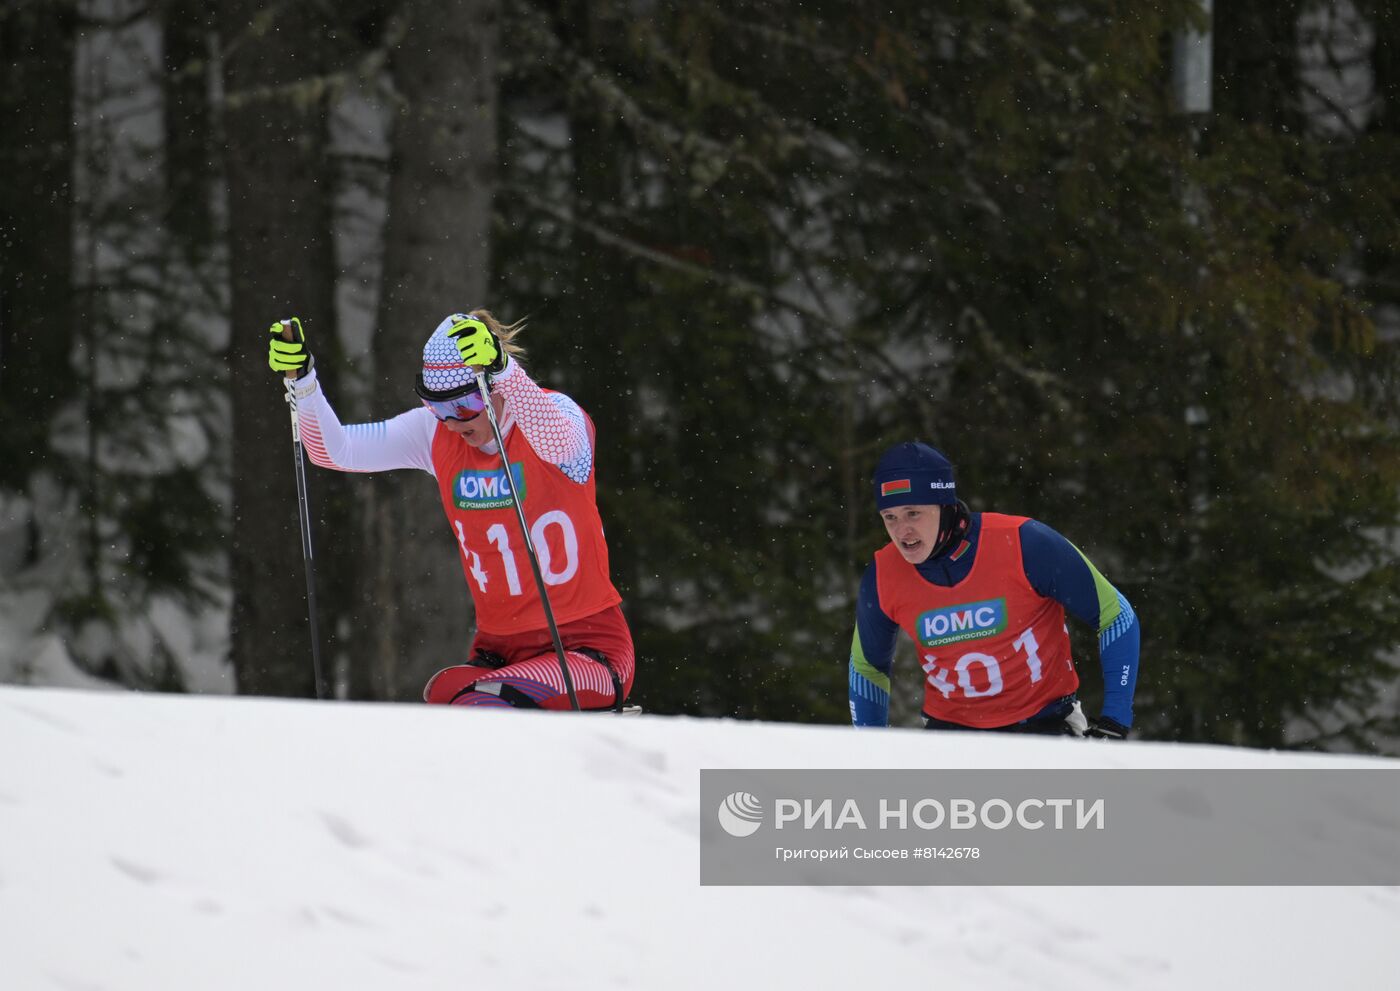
(959, 677)
(499, 536)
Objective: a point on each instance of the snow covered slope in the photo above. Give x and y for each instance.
(175, 842)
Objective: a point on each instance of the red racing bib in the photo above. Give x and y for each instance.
(993, 649)
(564, 525)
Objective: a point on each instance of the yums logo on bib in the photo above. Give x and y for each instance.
(488, 489)
(954, 624)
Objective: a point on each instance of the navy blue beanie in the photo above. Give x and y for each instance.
(914, 474)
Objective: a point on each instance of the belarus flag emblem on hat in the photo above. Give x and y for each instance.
(895, 487)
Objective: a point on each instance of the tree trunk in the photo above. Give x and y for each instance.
(1385, 62)
(37, 310)
(599, 272)
(436, 261)
(186, 25)
(1256, 62)
(280, 264)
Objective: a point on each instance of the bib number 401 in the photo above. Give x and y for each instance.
(959, 677)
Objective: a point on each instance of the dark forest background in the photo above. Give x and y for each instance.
(758, 242)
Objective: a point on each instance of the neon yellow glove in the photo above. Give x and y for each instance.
(476, 344)
(288, 356)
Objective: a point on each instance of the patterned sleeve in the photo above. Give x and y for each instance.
(554, 424)
(405, 441)
(872, 657)
(1058, 570)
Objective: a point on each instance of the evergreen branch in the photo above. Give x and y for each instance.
(116, 23)
(736, 284)
(1040, 381)
(708, 156)
(1340, 113)
(765, 32)
(834, 345)
(309, 89)
(1355, 734)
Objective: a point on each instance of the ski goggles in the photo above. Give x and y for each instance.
(457, 404)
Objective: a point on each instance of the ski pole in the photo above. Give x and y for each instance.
(481, 384)
(304, 510)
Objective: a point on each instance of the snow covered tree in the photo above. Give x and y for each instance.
(281, 263)
(437, 256)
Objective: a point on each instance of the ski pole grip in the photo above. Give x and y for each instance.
(287, 336)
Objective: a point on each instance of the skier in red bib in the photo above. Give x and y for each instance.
(984, 597)
(549, 447)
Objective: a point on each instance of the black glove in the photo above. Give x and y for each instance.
(1103, 728)
(476, 344)
(288, 356)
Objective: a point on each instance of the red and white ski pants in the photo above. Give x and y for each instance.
(531, 671)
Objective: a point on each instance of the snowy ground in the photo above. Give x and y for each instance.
(163, 842)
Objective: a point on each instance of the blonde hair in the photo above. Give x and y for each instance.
(505, 332)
